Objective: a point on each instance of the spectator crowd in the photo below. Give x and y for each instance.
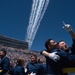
(50, 61)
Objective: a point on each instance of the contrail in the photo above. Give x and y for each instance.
(38, 9)
(31, 19)
(37, 26)
(38, 13)
(32, 16)
(37, 16)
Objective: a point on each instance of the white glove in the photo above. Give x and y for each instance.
(67, 27)
(25, 70)
(54, 56)
(33, 73)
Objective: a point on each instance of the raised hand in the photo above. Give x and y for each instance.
(67, 27)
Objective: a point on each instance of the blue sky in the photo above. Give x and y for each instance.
(14, 18)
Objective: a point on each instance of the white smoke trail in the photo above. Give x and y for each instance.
(31, 20)
(37, 17)
(32, 16)
(37, 26)
(37, 13)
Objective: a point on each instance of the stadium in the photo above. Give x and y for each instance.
(16, 48)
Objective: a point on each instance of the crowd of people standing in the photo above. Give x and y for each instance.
(58, 55)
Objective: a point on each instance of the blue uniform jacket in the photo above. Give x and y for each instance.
(35, 68)
(53, 67)
(19, 70)
(11, 70)
(4, 65)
